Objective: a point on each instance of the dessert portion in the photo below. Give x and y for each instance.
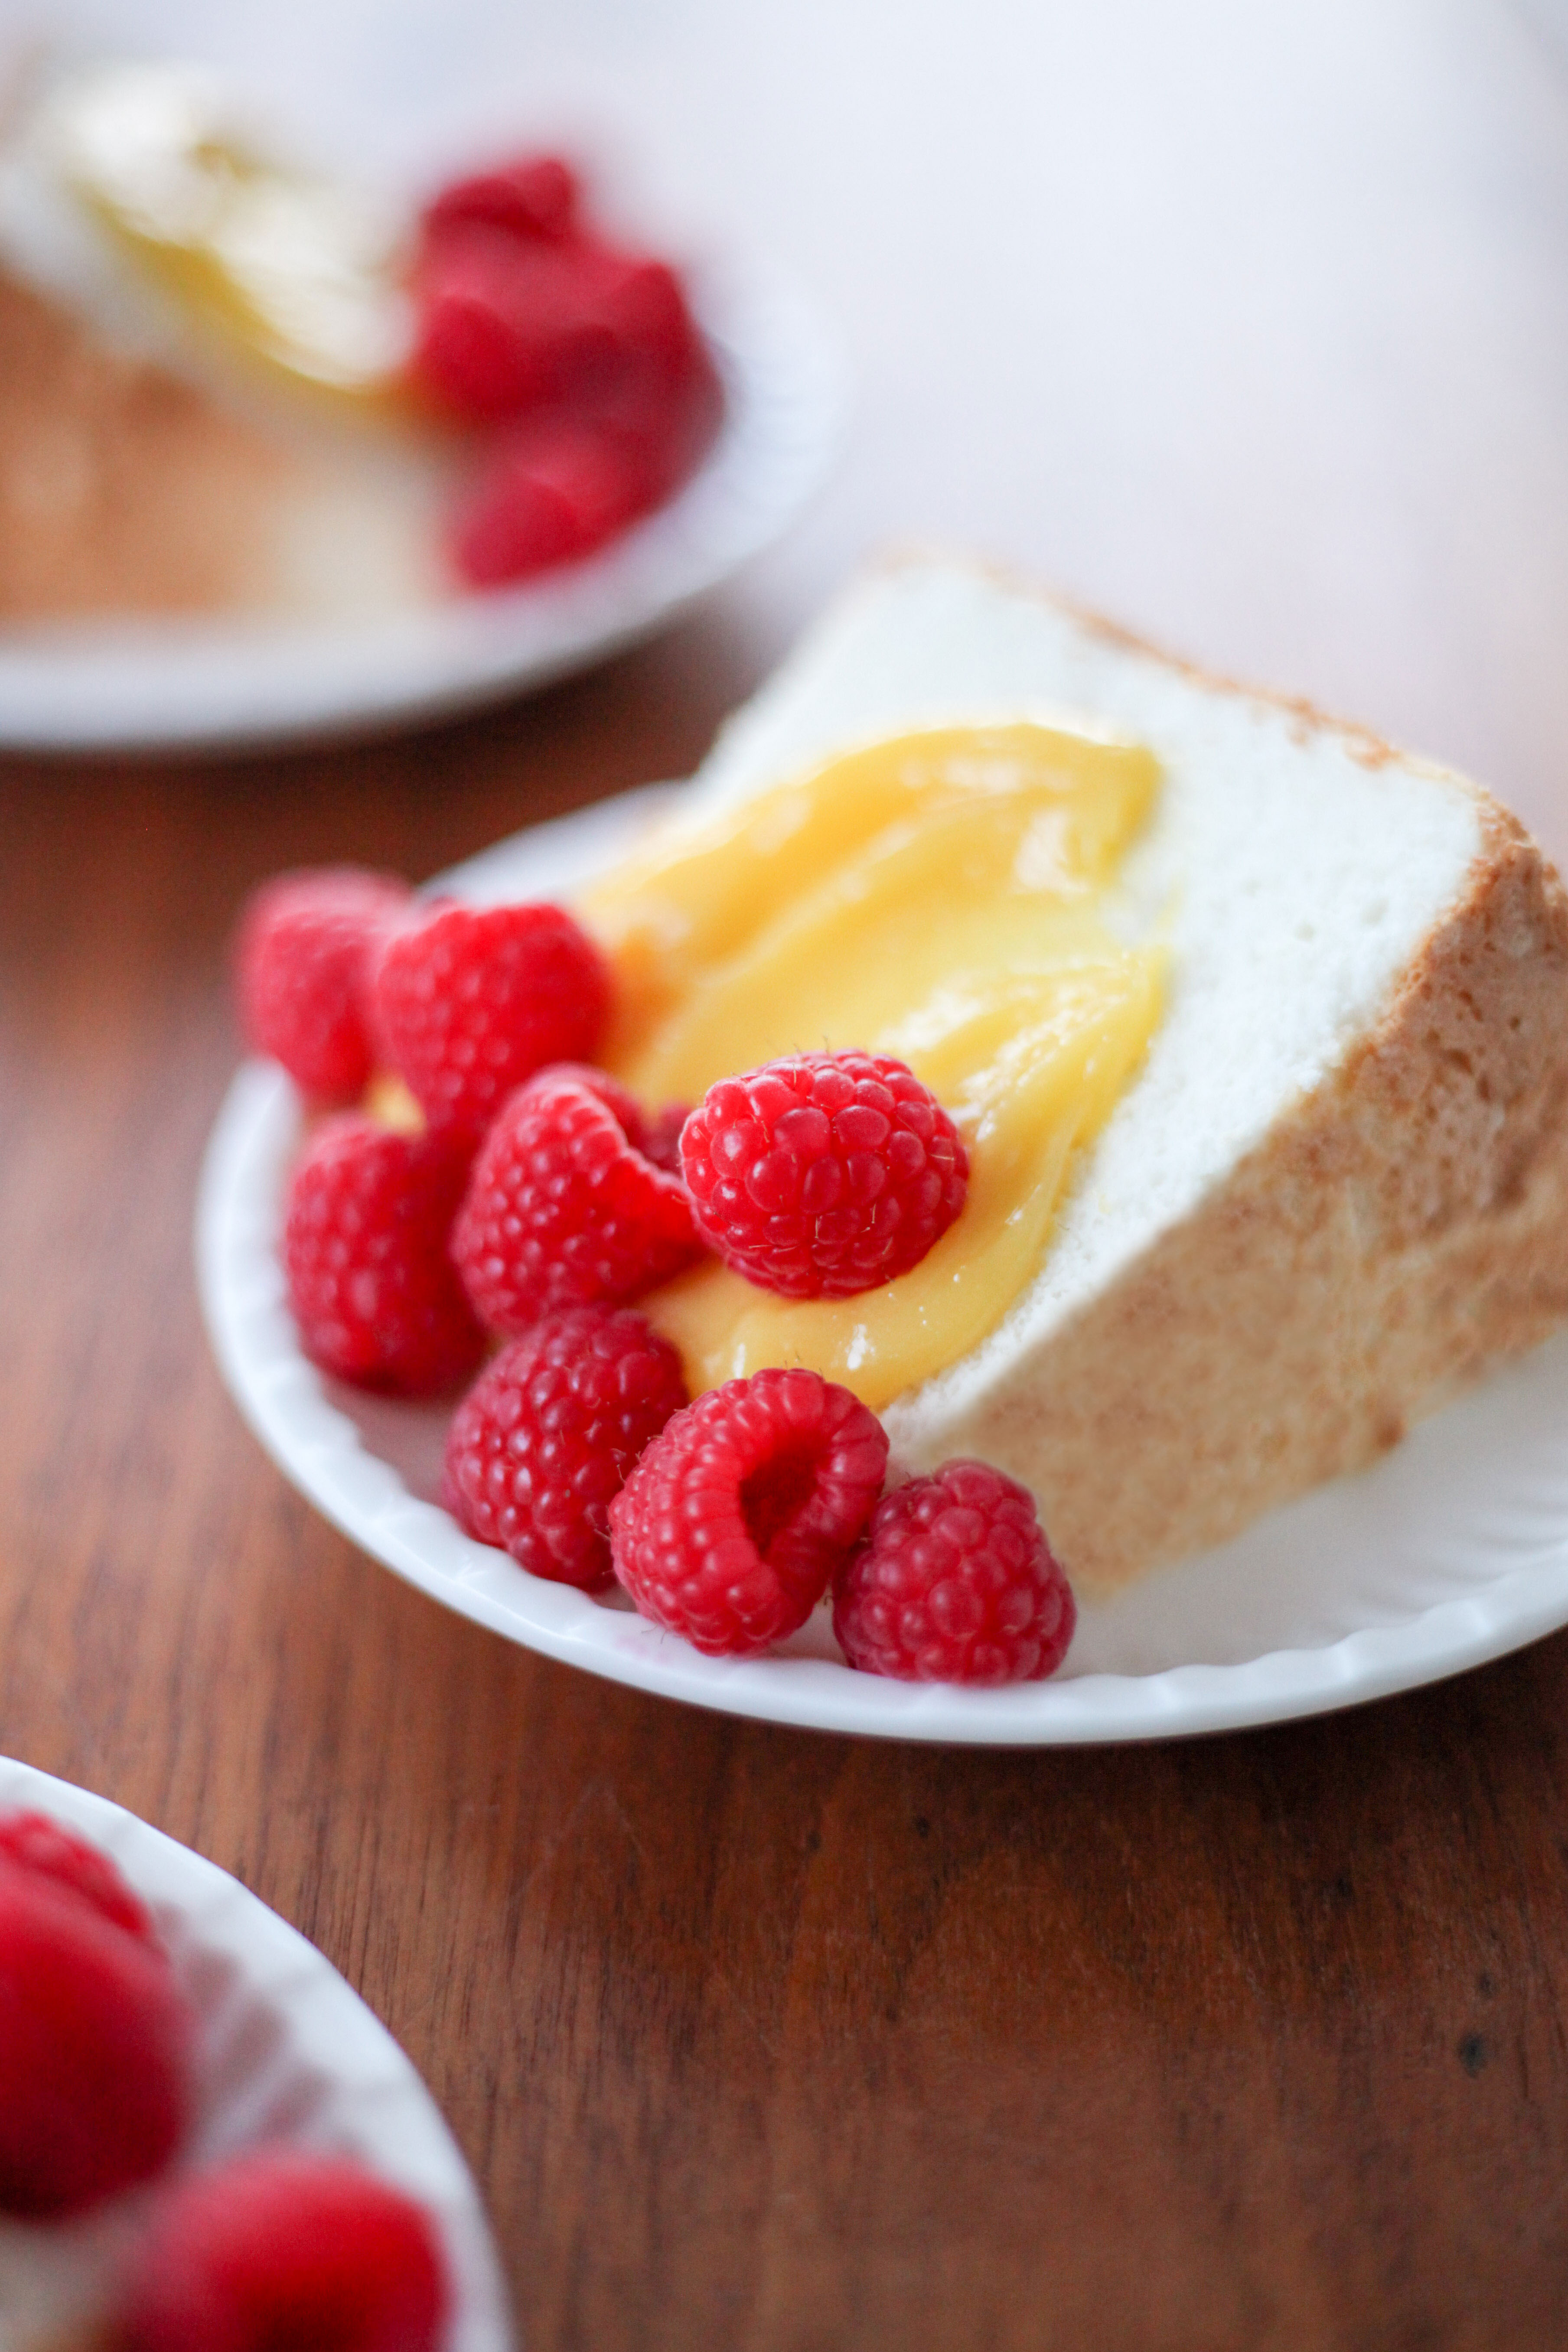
(1336, 1191)
(276, 393)
(1096, 1090)
(99, 2095)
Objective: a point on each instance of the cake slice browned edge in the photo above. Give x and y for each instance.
(1400, 1231)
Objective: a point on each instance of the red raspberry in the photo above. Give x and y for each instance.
(279, 2249)
(536, 195)
(506, 327)
(302, 959)
(546, 498)
(824, 1174)
(954, 1582)
(563, 1209)
(61, 1859)
(469, 1002)
(732, 1523)
(95, 2036)
(371, 1279)
(543, 1440)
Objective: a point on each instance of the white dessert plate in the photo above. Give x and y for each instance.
(177, 685)
(1452, 1550)
(286, 2051)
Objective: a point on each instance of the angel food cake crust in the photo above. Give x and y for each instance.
(1220, 1325)
(1400, 1232)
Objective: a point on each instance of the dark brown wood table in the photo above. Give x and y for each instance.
(753, 2038)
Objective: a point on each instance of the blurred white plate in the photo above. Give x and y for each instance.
(1454, 1550)
(287, 2053)
(178, 685)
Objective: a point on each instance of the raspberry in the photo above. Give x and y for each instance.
(371, 1279)
(733, 1522)
(824, 1174)
(469, 1002)
(543, 1440)
(536, 195)
(276, 2250)
(302, 960)
(66, 1862)
(547, 497)
(954, 1582)
(95, 2036)
(563, 1209)
(506, 327)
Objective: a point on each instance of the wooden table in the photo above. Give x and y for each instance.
(756, 2039)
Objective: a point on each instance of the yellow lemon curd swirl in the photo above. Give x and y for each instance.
(937, 897)
(293, 269)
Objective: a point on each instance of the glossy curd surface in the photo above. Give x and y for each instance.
(939, 897)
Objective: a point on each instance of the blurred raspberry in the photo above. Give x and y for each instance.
(532, 196)
(371, 1279)
(563, 1209)
(277, 2250)
(302, 956)
(734, 1521)
(955, 1583)
(822, 1174)
(469, 1002)
(61, 1859)
(506, 327)
(546, 1437)
(544, 497)
(96, 2040)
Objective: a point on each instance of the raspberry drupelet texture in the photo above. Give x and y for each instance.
(97, 2040)
(562, 1208)
(371, 1278)
(954, 1582)
(732, 1526)
(303, 957)
(543, 1441)
(469, 1002)
(824, 1174)
(279, 2248)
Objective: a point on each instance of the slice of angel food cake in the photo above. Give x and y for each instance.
(1256, 1031)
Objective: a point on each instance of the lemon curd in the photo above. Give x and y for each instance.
(293, 269)
(939, 897)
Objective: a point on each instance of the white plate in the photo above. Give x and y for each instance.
(287, 2053)
(1452, 1550)
(181, 684)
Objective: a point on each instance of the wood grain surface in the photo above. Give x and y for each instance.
(753, 2038)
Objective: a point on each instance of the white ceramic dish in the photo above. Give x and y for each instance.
(184, 686)
(1454, 1550)
(286, 2051)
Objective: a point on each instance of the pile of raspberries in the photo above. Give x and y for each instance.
(99, 2099)
(506, 1189)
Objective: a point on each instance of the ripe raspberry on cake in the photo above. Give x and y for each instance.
(953, 1582)
(564, 1207)
(372, 1283)
(733, 1522)
(470, 1002)
(303, 959)
(824, 1174)
(544, 1439)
